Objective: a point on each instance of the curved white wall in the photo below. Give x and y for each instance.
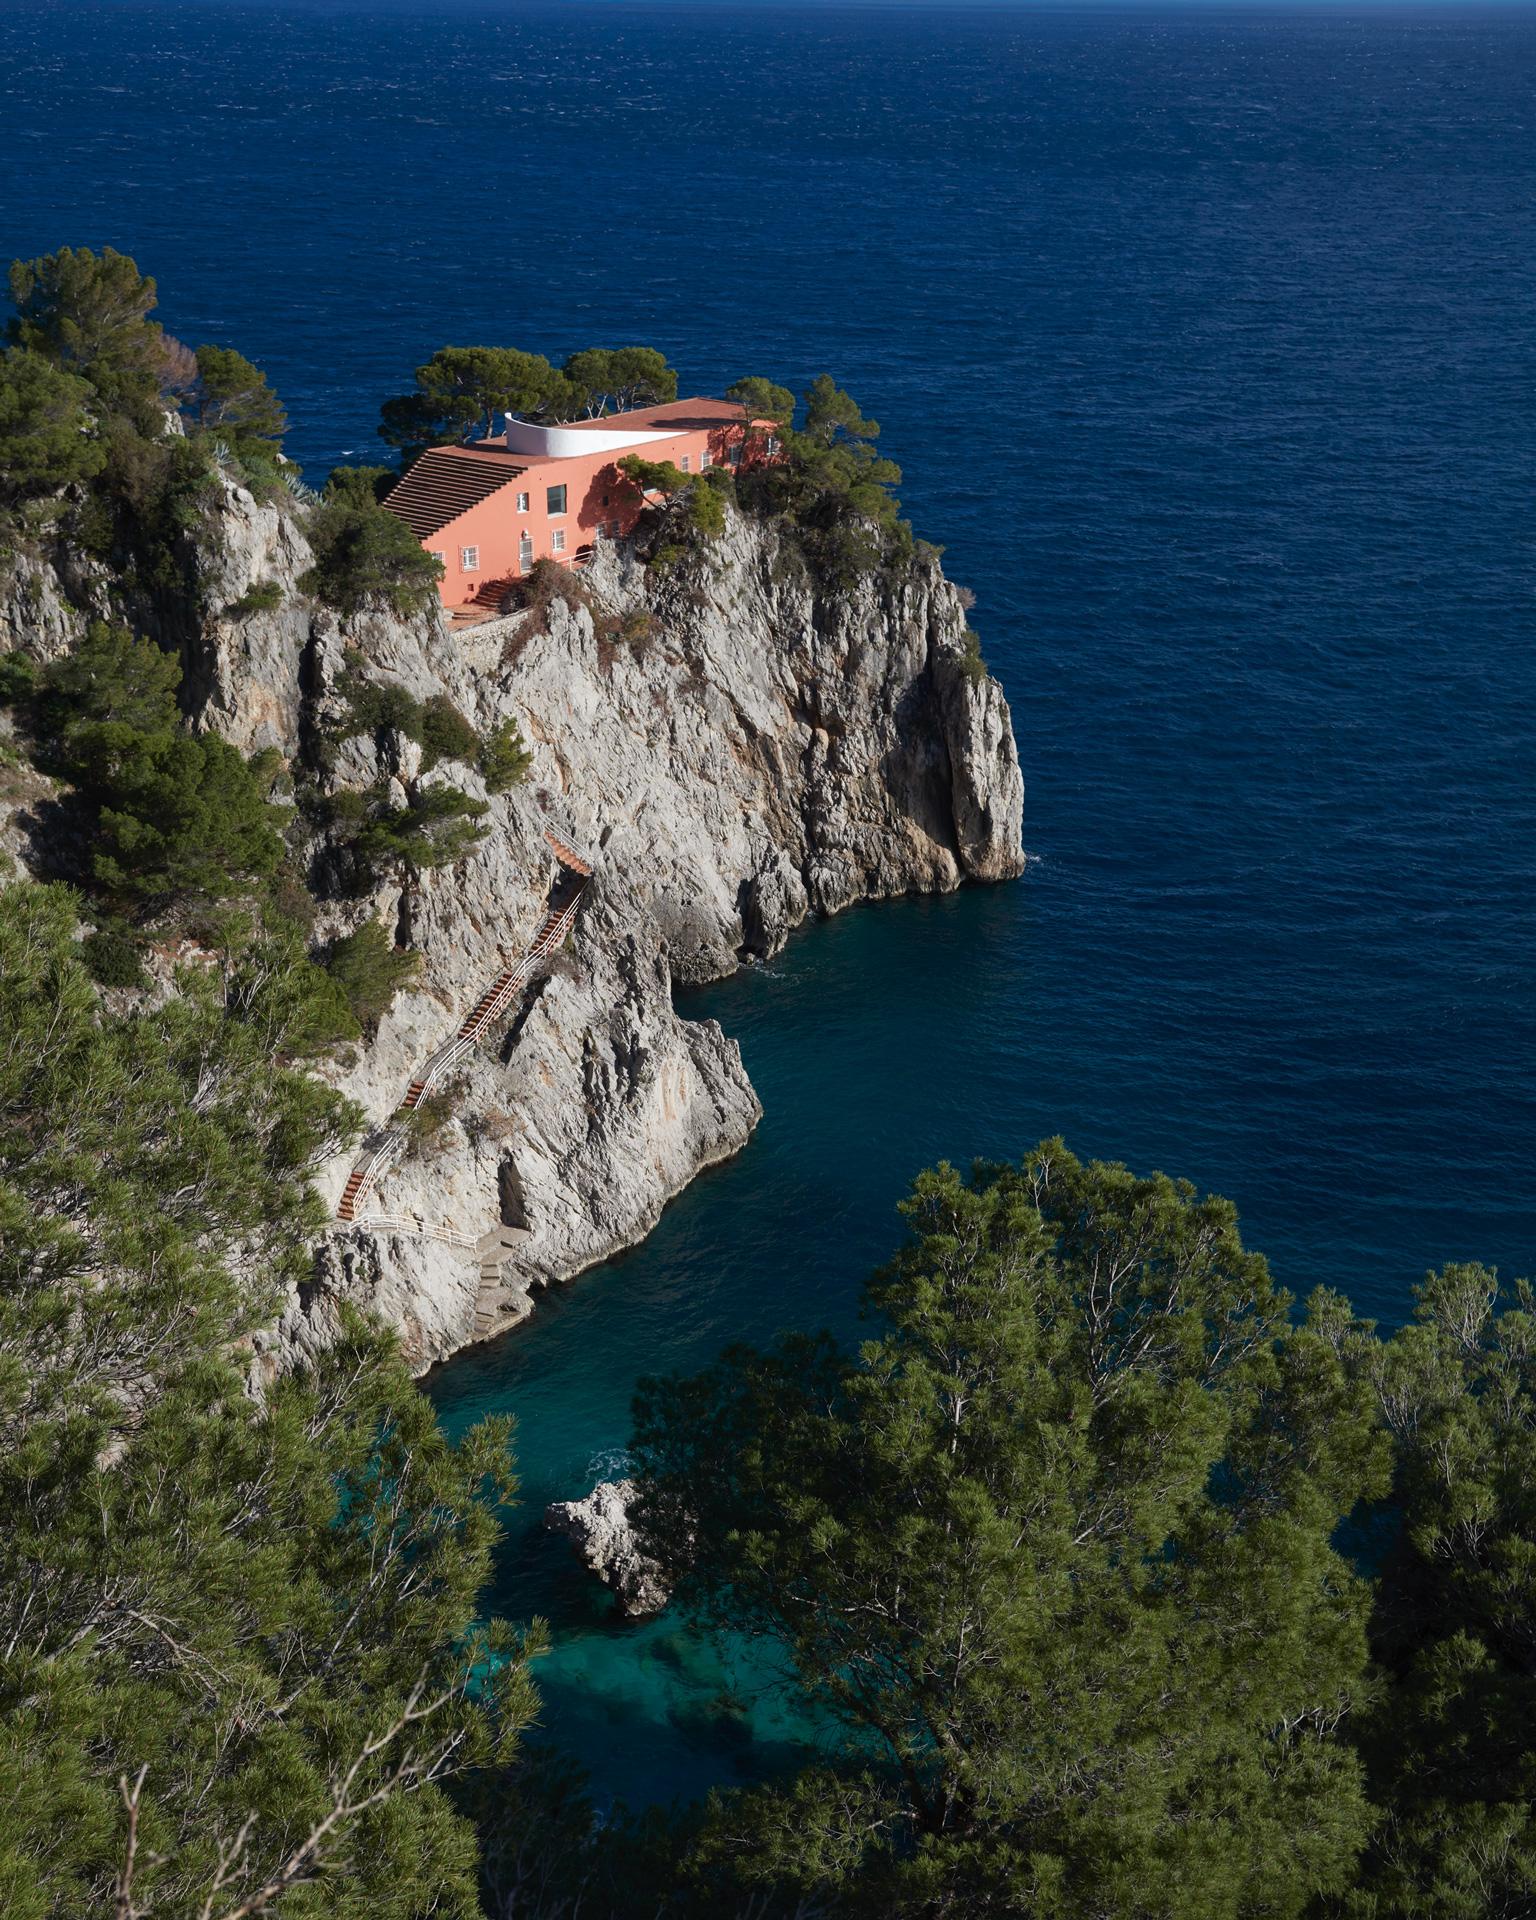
(565, 443)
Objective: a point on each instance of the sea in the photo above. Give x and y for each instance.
(1206, 341)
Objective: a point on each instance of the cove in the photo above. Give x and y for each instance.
(881, 1040)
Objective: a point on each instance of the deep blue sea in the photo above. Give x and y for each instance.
(1207, 341)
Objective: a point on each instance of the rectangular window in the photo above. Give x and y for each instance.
(525, 552)
(705, 463)
(469, 559)
(733, 454)
(685, 464)
(554, 499)
(557, 538)
(439, 556)
(522, 503)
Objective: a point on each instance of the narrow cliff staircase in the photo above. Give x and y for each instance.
(381, 1149)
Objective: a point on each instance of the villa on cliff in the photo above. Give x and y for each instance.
(488, 510)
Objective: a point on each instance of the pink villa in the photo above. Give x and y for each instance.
(490, 509)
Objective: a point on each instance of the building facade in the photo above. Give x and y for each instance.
(489, 510)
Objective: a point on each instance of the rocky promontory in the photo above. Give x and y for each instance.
(602, 1532)
(729, 744)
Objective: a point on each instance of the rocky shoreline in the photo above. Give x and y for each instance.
(758, 749)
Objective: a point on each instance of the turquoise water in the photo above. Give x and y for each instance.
(1206, 341)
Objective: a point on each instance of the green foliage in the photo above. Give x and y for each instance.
(360, 486)
(435, 724)
(179, 814)
(620, 378)
(445, 733)
(436, 827)
(364, 554)
(462, 387)
(111, 956)
(833, 417)
(503, 758)
(18, 679)
(255, 1610)
(461, 390)
(175, 814)
(706, 508)
(370, 970)
(1450, 1743)
(971, 661)
(704, 496)
(47, 438)
(763, 400)
(1056, 1546)
(112, 675)
(265, 596)
(88, 313)
(828, 484)
(653, 476)
(231, 398)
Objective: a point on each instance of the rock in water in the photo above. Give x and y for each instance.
(604, 1536)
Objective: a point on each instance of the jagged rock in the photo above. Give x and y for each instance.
(770, 751)
(602, 1533)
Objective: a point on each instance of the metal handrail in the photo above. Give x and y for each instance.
(453, 1050)
(413, 1223)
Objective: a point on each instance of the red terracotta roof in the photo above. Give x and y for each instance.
(448, 481)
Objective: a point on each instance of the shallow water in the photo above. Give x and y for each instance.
(1206, 342)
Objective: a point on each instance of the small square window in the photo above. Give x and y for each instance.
(555, 499)
(469, 559)
(557, 540)
(438, 555)
(522, 503)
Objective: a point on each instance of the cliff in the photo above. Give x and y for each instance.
(731, 747)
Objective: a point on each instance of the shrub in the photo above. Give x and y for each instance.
(971, 662)
(231, 397)
(18, 679)
(177, 813)
(706, 510)
(444, 733)
(111, 956)
(370, 970)
(180, 814)
(365, 554)
(425, 1124)
(264, 597)
(436, 725)
(504, 759)
(435, 828)
(112, 675)
(379, 706)
(47, 440)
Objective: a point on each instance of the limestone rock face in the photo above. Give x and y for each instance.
(600, 1529)
(766, 750)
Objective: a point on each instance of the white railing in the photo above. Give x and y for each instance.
(454, 1050)
(426, 1229)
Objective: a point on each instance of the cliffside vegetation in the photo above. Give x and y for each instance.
(237, 1646)
(1132, 1590)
